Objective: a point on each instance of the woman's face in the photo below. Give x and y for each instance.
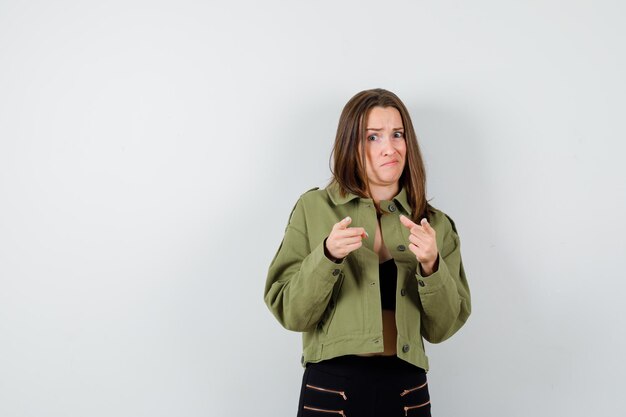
(385, 147)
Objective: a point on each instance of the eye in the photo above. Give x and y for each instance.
(372, 137)
(398, 134)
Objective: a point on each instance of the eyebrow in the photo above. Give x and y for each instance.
(376, 129)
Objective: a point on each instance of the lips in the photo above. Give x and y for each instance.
(390, 163)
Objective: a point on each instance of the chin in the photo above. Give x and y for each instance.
(390, 180)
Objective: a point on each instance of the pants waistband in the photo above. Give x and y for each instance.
(365, 366)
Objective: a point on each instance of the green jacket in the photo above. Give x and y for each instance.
(337, 306)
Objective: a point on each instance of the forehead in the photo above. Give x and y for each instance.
(383, 116)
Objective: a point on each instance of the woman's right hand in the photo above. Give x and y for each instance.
(343, 240)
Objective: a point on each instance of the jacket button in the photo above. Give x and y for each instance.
(391, 208)
(336, 272)
(406, 348)
(421, 283)
(401, 248)
(403, 292)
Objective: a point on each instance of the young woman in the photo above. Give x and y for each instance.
(368, 269)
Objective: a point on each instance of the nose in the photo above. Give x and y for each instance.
(387, 147)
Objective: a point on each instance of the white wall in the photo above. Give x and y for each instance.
(150, 154)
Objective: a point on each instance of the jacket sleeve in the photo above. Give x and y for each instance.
(444, 294)
(301, 278)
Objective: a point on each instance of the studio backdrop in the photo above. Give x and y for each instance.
(151, 152)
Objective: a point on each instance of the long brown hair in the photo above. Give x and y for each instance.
(349, 169)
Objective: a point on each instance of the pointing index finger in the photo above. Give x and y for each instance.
(406, 222)
(356, 231)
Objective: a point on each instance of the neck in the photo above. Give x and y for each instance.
(384, 192)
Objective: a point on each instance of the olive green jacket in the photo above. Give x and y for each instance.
(337, 306)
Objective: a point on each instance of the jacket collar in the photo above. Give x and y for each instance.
(402, 199)
(334, 193)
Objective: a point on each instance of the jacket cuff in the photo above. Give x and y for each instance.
(435, 281)
(325, 268)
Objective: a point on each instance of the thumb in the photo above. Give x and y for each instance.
(343, 224)
(426, 225)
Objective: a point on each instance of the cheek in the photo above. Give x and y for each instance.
(402, 150)
(369, 157)
(403, 153)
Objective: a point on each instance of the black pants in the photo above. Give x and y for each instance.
(355, 386)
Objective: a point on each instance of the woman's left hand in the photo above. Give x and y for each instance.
(423, 244)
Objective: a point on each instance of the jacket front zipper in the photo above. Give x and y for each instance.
(332, 391)
(406, 409)
(408, 391)
(340, 412)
